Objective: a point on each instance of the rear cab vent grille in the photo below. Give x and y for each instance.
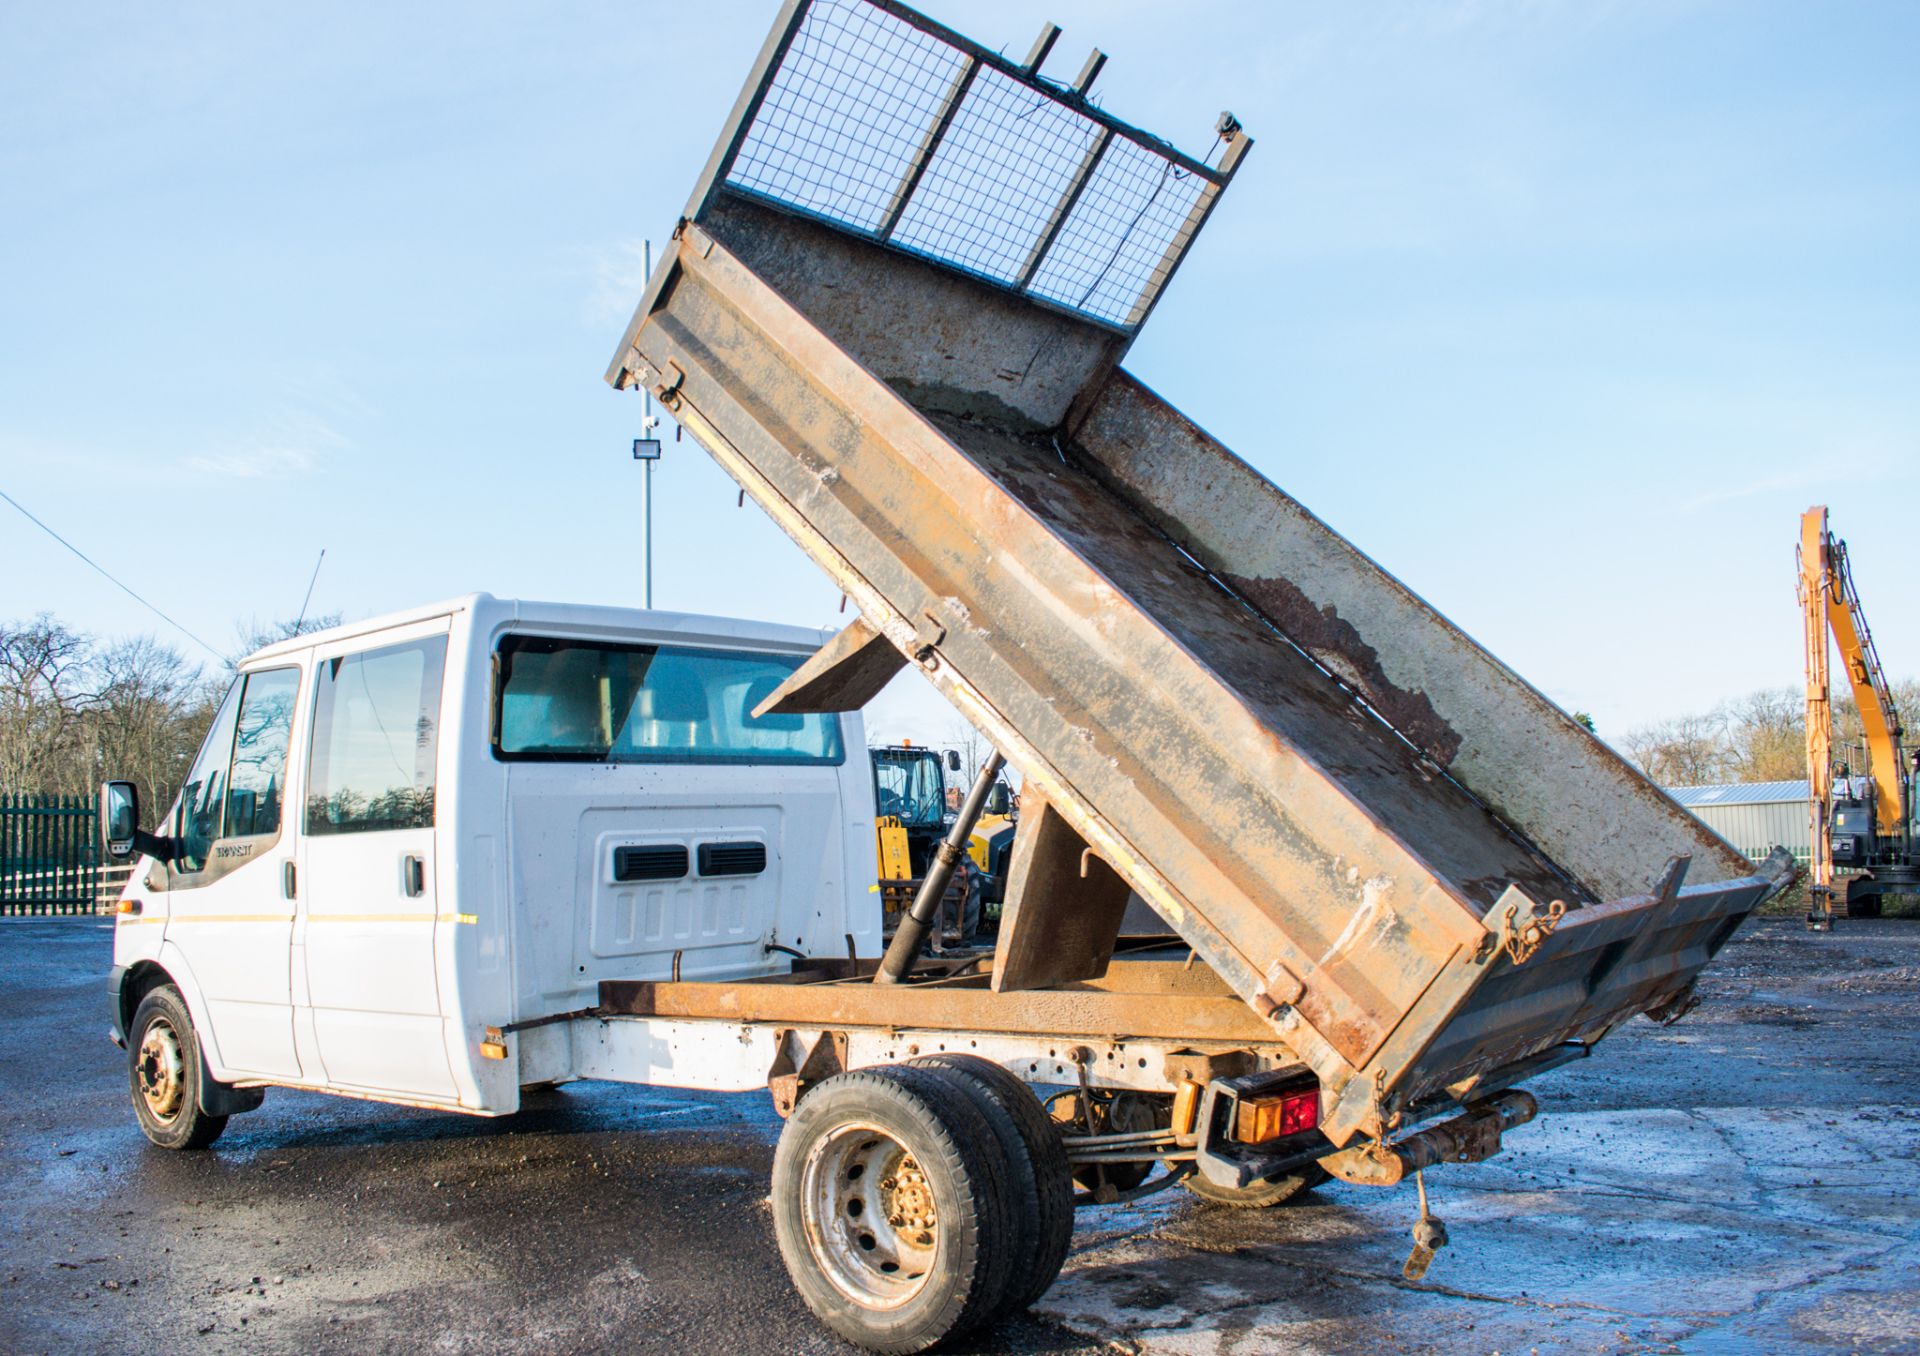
(733, 859)
(653, 861)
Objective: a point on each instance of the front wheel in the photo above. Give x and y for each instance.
(163, 1071)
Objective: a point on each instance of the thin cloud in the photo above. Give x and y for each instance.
(258, 463)
(292, 445)
(1854, 465)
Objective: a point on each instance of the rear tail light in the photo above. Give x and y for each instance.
(1277, 1115)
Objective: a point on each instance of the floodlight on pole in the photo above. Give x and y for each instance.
(646, 449)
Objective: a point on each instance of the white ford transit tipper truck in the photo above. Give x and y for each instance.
(522, 844)
(403, 830)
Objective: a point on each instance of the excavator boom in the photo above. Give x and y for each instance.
(1827, 585)
(1814, 585)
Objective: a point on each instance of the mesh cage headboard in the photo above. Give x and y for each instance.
(869, 116)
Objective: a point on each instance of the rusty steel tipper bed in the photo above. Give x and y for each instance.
(895, 312)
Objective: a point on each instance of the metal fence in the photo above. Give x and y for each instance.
(50, 858)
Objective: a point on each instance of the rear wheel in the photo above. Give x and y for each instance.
(892, 1203)
(1042, 1177)
(1257, 1195)
(163, 1071)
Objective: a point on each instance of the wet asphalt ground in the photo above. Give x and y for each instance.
(1743, 1181)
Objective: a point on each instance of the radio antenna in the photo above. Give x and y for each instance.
(297, 621)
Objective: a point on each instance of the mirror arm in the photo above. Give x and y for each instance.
(157, 846)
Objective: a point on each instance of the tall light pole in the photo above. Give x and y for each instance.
(646, 449)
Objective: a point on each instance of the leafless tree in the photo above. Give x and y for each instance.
(1760, 737)
(1685, 751)
(74, 711)
(1766, 734)
(43, 694)
(149, 716)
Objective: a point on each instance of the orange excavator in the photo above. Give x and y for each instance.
(1864, 824)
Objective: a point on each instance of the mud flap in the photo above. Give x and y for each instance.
(224, 1099)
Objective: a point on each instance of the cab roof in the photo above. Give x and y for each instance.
(491, 615)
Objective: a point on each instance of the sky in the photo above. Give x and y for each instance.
(1561, 311)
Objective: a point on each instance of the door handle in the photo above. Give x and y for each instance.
(413, 876)
(289, 881)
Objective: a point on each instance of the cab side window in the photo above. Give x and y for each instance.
(203, 797)
(235, 786)
(376, 735)
(260, 738)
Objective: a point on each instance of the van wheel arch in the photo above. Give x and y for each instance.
(215, 1097)
(142, 978)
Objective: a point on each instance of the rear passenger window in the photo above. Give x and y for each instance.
(594, 702)
(376, 733)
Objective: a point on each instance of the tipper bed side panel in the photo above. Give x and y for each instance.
(1269, 678)
(1525, 758)
(1261, 854)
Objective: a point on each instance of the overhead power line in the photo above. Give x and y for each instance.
(110, 579)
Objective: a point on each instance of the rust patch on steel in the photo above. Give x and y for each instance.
(799, 1065)
(1322, 633)
(1154, 1004)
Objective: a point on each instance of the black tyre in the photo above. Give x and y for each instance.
(892, 1205)
(1043, 1179)
(975, 911)
(163, 1074)
(1257, 1195)
(1862, 905)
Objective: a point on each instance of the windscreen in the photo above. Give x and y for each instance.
(588, 701)
(909, 786)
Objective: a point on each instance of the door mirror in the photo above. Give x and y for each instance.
(119, 818)
(999, 800)
(953, 760)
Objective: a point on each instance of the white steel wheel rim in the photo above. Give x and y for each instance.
(161, 1070)
(871, 1218)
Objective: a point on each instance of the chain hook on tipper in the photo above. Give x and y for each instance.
(1517, 926)
(1429, 1236)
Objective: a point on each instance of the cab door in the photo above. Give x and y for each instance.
(368, 886)
(228, 908)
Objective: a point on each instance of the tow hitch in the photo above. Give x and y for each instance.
(1467, 1138)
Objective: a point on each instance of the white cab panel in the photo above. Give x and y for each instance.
(368, 870)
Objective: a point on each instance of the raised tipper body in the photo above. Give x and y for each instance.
(895, 312)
